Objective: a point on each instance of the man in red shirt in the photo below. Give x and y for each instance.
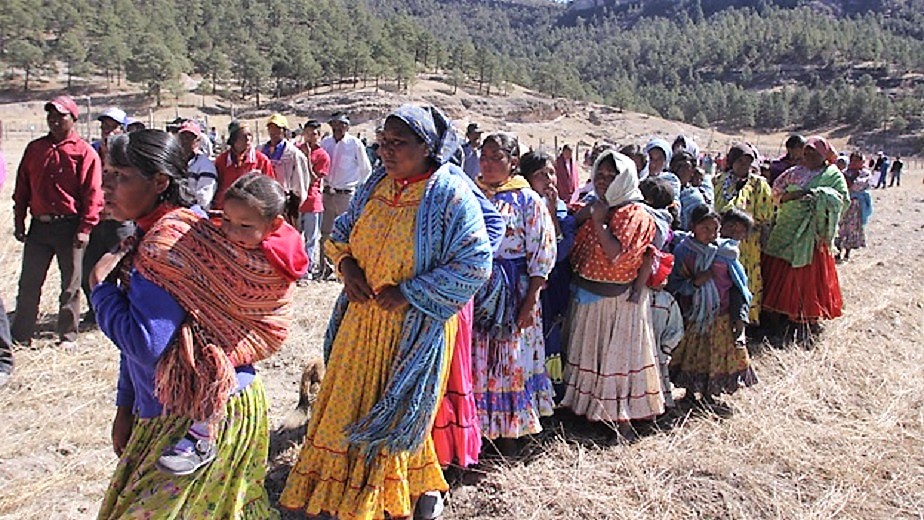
(238, 160)
(313, 207)
(59, 183)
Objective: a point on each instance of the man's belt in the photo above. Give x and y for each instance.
(48, 219)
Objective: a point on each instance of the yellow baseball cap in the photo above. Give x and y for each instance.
(278, 120)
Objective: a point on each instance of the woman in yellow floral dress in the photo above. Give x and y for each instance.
(412, 250)
(740, 188)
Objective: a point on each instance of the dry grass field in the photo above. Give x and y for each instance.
(836, 431)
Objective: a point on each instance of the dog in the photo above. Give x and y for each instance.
(312, 376)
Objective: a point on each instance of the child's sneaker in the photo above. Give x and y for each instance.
(187, 456)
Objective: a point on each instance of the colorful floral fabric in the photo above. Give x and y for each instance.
(512, 388)
(231, 487)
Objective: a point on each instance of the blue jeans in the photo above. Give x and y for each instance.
(311, 231)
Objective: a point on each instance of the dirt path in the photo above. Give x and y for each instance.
(837, 431)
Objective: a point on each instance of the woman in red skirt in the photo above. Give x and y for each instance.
(800, 280)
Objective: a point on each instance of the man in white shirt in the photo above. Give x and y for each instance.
(289, 163)
(349, 167)
(202, 177)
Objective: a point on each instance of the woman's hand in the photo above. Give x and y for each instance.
(795, 195)
(551, 198)
(122, 429)
(354, 281)
(391, 298)
(525, 316)
(599, 211)
(105, 269)
(703, 277)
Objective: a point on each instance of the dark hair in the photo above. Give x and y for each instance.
(507, 142)
(631, 150)
(658, 192)
(795, 141)
(701, 213)
(260, 192)
(531, 162)
(152, 152)
(610, 160)
(599, 149)
(680, 140)
(733, 215)
(679, 157)
(736, 152)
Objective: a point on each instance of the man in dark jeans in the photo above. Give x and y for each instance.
(60, 183)
(6, 348)
(897, 172)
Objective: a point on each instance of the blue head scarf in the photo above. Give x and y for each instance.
(431, 125)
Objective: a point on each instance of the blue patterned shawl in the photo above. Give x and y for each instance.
(452, 259)
(705, 306)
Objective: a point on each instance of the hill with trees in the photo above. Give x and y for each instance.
(767, 64)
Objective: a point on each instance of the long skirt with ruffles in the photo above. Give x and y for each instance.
(712, 363)
(231, 487)
(804, 294)
(512, 388)
(612, 374)
(456, 432)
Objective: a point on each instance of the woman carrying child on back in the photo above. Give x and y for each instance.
(712, 289)
(187, 292)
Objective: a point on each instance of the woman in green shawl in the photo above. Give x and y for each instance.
(800, 279)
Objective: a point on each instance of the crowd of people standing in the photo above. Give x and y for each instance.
(485, 288)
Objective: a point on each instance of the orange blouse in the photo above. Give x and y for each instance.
(633, 227)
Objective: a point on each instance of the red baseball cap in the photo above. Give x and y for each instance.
(190, 126)
(64, 105)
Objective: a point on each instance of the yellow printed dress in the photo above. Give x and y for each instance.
(330, 475)
(755, 198)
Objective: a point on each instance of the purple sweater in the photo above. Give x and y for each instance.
(142, 323)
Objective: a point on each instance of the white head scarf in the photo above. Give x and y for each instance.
(624, 187)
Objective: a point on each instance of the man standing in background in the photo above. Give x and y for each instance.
(6, 342)
(471, 158)
(289, 163)
(60, 183)
(313, 207)
(349, 167)
(202, 177)
(108, 233)
(896, 172)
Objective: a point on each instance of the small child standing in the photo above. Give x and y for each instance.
(252, 218)
(712, 290)
(737, 225)
(666, 318)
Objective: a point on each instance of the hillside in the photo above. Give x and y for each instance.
(769, 65)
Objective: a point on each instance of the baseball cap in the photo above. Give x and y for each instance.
(339, 116)
(63, 105)
(190, 126)
(113, 113)
(473, 128)
(312, 123)
(278, 120)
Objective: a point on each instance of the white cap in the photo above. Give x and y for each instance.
(113, 113)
